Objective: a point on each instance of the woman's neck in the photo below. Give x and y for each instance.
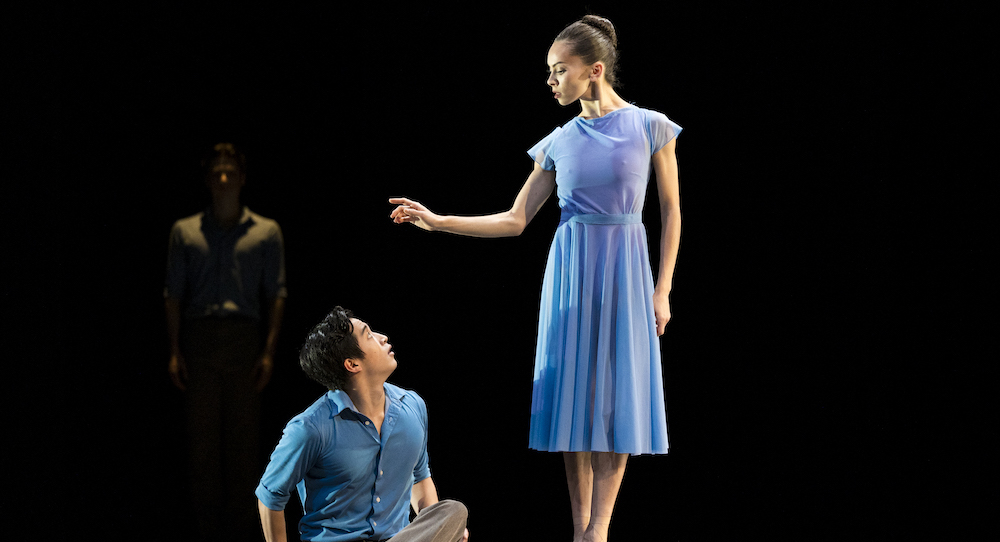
(600, 100)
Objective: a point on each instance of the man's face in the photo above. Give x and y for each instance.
(380, 360)
(225, 176)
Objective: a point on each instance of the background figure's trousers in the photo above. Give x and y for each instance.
(223, 425)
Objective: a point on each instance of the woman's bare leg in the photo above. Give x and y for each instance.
(608, 471)
(580, 477)
(594, 480)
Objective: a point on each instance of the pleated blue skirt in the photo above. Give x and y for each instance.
(598, 383)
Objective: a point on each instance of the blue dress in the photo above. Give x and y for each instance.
(598, 385)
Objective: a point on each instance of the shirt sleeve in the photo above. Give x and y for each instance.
(274, 265)
(661, 130)
(176, 276)
(541, 152)
(292, 458)
(422, 468)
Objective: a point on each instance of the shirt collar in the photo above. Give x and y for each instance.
(244, 218)
(340, 401)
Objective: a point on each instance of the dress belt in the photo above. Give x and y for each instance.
(594, 218)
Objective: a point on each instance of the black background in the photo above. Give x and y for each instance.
(825, 372)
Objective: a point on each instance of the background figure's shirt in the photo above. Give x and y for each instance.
(353, 482)
(217, 272)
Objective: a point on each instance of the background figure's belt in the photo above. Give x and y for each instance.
(591, 218)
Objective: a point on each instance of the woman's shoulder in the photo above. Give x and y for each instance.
(650, 114)
(657, 120)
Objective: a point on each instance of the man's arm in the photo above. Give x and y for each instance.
(177, 366)
(423, 495)
(173, 292)
(265, 365)
(272, 522)
(273, 283)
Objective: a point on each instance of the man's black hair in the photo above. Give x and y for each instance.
(328, 344)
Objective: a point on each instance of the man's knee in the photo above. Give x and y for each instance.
(454, 509)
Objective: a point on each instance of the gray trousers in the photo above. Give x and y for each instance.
(443, 521)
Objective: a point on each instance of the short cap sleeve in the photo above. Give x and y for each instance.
(541, 152)
(660, 129)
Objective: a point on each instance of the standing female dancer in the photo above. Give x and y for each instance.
(598, 387)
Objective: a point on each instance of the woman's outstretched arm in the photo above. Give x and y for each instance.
(667, 188)
(510, 223)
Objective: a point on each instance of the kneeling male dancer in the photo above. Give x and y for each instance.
(358, 455)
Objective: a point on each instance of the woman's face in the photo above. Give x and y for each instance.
(569, 77)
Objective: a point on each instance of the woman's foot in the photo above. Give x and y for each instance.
(597, 531)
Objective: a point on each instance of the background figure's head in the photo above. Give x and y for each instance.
(225, 170)
(594, 40)
(327, 346)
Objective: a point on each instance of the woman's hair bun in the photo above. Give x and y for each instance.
(602, 24)
(593, 39)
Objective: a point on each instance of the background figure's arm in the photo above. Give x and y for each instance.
(511, 223)
(176, 367)
(424, 494)
(667, 188)
(265, 365)
(272, 522)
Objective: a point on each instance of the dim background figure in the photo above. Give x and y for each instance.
(224, 297)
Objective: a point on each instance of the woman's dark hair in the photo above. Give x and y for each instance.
(593, 39)
(327, 345)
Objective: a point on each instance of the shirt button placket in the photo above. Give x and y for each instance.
(376, 506)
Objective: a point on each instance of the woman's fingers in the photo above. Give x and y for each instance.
(399, 210)
(405, 202)
(661, 325)
(405, 213)
(413, 215)
(407, 210)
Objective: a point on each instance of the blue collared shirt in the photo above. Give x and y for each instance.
(353, 482)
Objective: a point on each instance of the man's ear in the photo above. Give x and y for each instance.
(352, 365)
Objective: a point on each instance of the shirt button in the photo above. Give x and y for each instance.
(380, 473)
(366, 423)
(377, 499)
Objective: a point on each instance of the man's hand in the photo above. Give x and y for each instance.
(262, 371)
(178, 371)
